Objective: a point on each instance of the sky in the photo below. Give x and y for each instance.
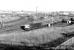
(39, 5)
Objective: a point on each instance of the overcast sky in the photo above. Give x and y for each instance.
(43, 5)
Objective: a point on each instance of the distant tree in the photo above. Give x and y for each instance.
(2, 23)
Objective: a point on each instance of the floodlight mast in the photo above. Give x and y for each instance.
(36, 10)
(36, 14)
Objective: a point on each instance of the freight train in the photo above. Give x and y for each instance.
(32, 26)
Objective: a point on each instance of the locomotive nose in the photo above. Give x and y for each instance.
(25, 27)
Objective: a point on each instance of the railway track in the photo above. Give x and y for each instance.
(15, 26)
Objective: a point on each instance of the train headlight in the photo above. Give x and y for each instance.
(49, 25)
(27, 26)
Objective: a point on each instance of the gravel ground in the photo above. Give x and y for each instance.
(35, 36)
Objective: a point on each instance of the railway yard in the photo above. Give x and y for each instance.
(54, 35)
